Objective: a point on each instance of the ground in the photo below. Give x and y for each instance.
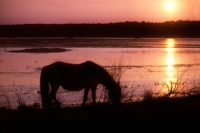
(147, 116)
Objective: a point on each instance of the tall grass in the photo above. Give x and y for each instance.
(20, 100)
(7, 100)
(173, 89)
(148, 95)
(116, 69)
(195, 90)
(128, 95)
(3, 93)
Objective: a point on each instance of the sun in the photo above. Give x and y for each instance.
(170, 5)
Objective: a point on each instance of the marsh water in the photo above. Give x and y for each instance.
(146, 64)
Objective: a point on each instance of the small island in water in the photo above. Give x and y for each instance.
(40, 50)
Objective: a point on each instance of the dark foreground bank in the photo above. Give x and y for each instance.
(151, 116)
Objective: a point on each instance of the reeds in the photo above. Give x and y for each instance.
(3, 93)
(148, 95)
(116, 68)
(7, 99)
(177, 88)
(20, 100)
(104, 97)
(128, 96)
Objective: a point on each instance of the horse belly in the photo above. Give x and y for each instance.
(72, 87)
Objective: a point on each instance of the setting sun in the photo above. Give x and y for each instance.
(170, 5)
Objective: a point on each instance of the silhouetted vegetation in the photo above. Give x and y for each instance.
(173, 29)
(158, 116)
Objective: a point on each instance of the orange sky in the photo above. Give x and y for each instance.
(96, 11)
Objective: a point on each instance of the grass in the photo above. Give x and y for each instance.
(117, 69)
(3, 93)
(7, 100)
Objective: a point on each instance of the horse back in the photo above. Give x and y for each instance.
(73, 76)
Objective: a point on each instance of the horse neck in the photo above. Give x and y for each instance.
(105, 78)
(108, 81)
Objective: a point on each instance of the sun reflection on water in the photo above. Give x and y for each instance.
(170, 57)
(170, 43)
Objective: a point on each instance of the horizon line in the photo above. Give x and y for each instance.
(107, 23)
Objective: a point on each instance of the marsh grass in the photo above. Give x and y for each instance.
(20, 100)
(104, 97)
(116, 69)
(3, 93)
(174, 88)
(128, 95)
(177, 88)
(148, 95)
(7, 100)
(195, 90)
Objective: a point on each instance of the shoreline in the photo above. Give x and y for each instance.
(85, 42)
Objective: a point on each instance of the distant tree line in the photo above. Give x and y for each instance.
(123, 29)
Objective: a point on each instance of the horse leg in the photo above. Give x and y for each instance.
(85, 96)
(94, 95)
(53, 95)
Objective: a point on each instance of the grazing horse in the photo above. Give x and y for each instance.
(74, 77)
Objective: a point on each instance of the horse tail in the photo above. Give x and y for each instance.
(44, 89)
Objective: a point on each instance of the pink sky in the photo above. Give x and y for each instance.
(95, 11)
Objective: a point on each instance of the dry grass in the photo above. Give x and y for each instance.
(3, 93)
(7, 100)
(173, 89)
(116, 68)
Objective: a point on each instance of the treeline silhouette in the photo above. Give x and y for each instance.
(122, 29)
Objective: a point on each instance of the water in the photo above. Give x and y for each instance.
(147, 63)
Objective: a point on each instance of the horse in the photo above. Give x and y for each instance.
(75, 77)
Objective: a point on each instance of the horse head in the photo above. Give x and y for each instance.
(115, 93)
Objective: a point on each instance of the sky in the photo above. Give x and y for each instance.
(96, 11)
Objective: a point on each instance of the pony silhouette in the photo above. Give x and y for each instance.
(74, 77)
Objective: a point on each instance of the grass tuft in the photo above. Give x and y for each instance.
(148, 95)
